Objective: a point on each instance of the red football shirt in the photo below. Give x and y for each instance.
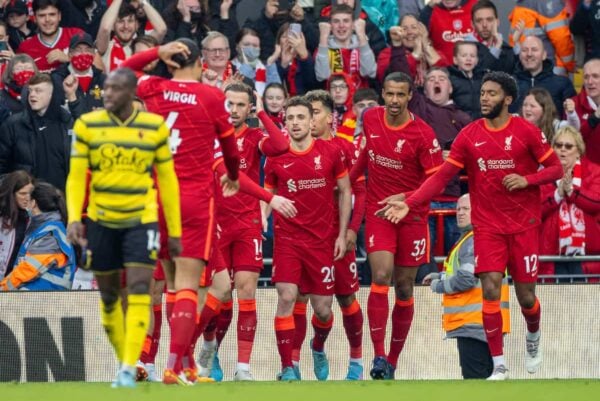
(242, 211)
(38, 50)
(196, 115)
(489, 155)
(398, 159)
(308, 178)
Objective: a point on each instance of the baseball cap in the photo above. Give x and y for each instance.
(16, 7)
(81, 38)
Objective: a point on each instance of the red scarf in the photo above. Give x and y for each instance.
(291, 77)
(488, 43)
(117, 55)
(226, 74)
(571, 221)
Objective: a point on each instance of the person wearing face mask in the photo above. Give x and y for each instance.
(79, 83)
(249, 64)
(46, 260)
(38, 139)
(17, 73)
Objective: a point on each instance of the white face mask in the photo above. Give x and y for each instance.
(251, 53)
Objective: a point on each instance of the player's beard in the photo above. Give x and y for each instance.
(495, 111)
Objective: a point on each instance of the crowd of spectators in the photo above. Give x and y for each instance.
(55, 54)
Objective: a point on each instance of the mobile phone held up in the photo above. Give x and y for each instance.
(286, 5)
(3, 46)
(295, 29)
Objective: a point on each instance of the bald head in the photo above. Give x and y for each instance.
(463, 211)
(126, 76)
(591, 79)
(532, 55)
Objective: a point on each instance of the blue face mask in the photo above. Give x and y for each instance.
(251, 53)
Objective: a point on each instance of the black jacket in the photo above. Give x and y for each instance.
(561, 88)
(73, 16)
(38, 145)
(85, 102)
(9, 105)
(465, 90)
(586, 23)
(487, 61)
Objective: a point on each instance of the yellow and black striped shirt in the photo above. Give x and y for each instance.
(121, 156)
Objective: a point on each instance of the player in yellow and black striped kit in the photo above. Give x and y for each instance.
(122, 147)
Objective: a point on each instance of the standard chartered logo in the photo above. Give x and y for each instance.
(292, 185)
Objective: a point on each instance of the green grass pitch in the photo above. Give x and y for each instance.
(512, 390)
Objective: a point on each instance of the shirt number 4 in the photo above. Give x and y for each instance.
(174, 139)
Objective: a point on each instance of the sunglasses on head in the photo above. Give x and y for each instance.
(560, 145)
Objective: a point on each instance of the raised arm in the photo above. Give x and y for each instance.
(106, 26)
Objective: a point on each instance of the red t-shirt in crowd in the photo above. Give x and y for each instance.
(38, 49)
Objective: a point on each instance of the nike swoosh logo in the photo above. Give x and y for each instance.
(396, 340)
(286, 165)
(491, 331)
(374, 136)
(376, 328)
(330, 286)
(479, 144)
(42, 128)
(353, 285)
(420, 257)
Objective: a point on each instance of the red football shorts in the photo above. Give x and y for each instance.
(198, 229)
(309, 267)
(346, 274)
(159, 272)
(242, 250)
(409, 243)
(518, 252)
(215, 264)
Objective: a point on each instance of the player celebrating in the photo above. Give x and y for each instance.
(401, 149)
(240, 220)
(501, 154)
(196, 114)
(305, 246)
(121, 146)
(346, 273)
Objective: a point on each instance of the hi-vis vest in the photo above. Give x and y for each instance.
(55, 278)
(549, 21)
(464, 307)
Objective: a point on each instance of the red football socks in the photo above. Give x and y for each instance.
(353, 323)
(149, 351)
(224, 320)
(322, 330)
(183, 322)
(532, 316)
(402, 317)
(300, 329)
(378, 311)
(284, 332)
(492, 325)
(246, 329)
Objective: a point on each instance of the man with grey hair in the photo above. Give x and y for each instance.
(216, 55)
